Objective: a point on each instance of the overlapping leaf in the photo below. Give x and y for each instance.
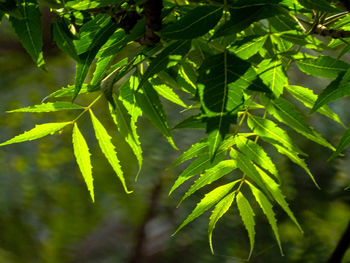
(29, 30)
(50, 107)
(195, 23)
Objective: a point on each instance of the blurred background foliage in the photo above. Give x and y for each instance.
(46, 214)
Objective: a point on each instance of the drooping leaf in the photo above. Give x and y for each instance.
(123, 122)
(108, 149)
(29, 29)
(344, 142)
(286, 113)
(246, 166)
(256, 153)
(338, 88)
(202, 163)
(272, 74)
(63, 38)
(308, 98)
(277, 195)
(247, 215)
(37, 132)
(210, 175)
(220, 209)
(50, 107)
(162, 59)
(207, 202)
(82, 156)
(293, 156)
(194, 24)
(322, 66)
(148, 100)
(266, 206)
(268, 129)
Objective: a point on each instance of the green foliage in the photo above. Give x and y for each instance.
(227, 64)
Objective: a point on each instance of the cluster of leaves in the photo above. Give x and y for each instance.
(230, 57)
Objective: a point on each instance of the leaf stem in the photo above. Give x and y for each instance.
(86, 108)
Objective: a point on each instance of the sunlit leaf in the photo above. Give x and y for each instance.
(50, 107)
(37, 132)
(82, 156)
(220, 209)
(108, 149)
(266, 206)
(247, 215)
(207, 202)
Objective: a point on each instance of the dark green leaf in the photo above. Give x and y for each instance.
(29, 30)
(194, 24)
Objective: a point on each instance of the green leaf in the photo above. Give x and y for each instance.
(268, 129)
(108, 149)
(220, 209)
(37, 132)
(207, 202)
(322, 66)
(320, 5)
(293, 156)
(127, 96)
(266, 206)
(247, 215)
(89, 4)
(29, 30)
(277, 195)
(67, 92)
(246, 166)
(272, 74)
(49, 107)
(195, 23)
(196, 167)
(161, 61)
(244, 16)
(63, 38)
(222, 79)
(338, 88)
(344, 142)
(210, 175)
(308, 98)
(167, 93)
(86, 58)
(82, 156)
(248, 46)
(256, 153)
(148, 100)
(285, 112)
(195, 150)
(124, 124)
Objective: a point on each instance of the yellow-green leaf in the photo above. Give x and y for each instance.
(219, 210)
(108, 149)
(37, 132)
(49, 107)
(207, 202)
(266, 206)
(247, 215)
(82, 156)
